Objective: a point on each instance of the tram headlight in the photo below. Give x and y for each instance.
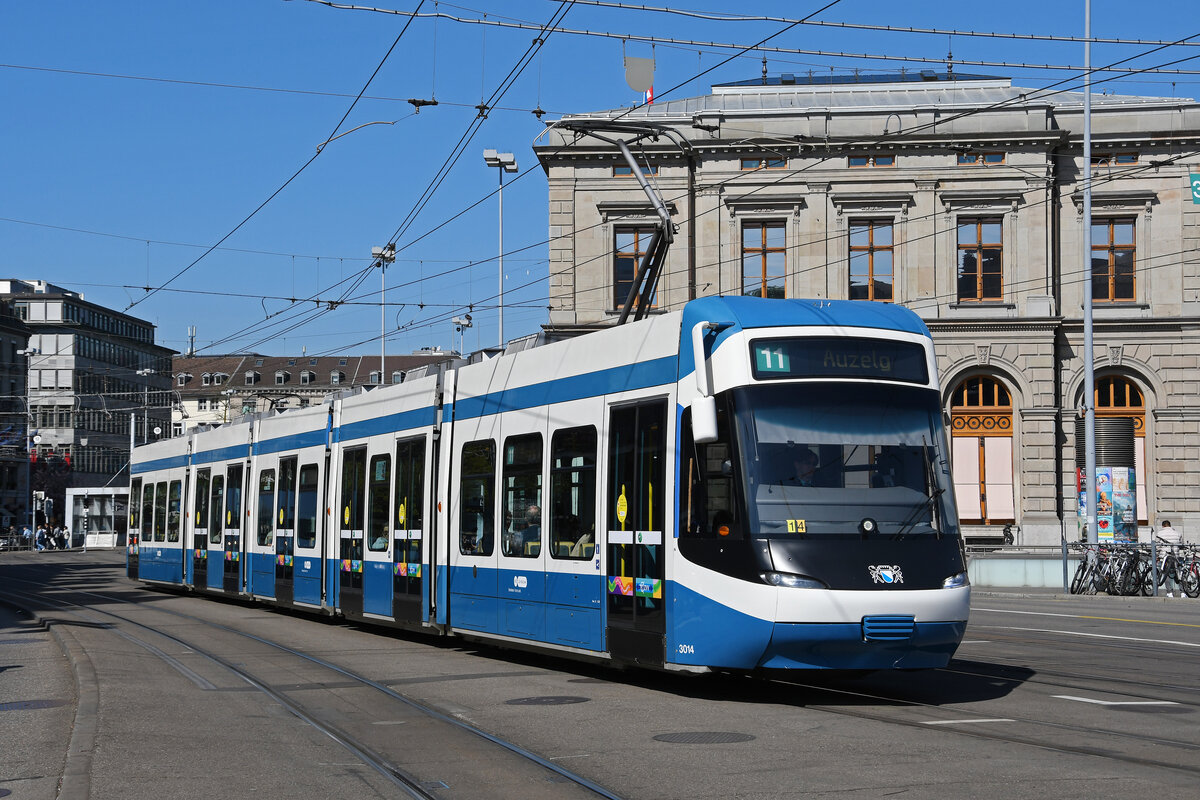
(791, 580)
(956, 581)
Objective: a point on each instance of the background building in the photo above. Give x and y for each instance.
(959, 196)
(14, 453)
(216, 389)
(90, 371)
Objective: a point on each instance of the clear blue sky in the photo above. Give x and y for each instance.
(137, 134)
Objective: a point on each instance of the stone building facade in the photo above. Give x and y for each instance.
(959, 196)
(91, 373)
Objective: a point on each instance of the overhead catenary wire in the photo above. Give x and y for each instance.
(691, 44)
(1013, 100)
(295, 174)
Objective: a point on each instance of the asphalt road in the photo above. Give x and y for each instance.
(114, 691)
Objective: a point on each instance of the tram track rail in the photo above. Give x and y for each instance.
(402, 778)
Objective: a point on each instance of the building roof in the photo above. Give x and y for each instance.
(922, 89)
(355, 369)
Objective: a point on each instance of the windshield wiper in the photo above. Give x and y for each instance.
(931, 501)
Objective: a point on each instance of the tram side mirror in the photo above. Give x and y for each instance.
(704, 420)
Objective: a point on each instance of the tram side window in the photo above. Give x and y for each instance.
(174, 511)
(377, 498)
(476, 493)
(637, 439)
(521, 536)
(573, 493)
(135, 494)
(266, 501)
(202, 481)
(410, 485)
(306, 515)
(286, 513)
(233, 498)
(709, 503)
(160, 512)
(217, 507)
(148, 513)
(354, 480)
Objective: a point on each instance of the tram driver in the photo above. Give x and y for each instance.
(804, 467)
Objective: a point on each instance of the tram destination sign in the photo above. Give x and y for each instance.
(837, 357)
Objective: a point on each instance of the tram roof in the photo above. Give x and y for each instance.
(757, 312)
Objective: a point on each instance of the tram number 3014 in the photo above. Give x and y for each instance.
(687, 650)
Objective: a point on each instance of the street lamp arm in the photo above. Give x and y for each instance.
(321, 146)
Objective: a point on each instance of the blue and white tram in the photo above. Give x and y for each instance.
(744, 484)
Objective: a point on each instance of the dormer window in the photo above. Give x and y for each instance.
(336, 377)
(205, 379)
(182, 378)
(397, 376)
(251, 377)
(219, 378)
(307, 377)
(258, 362)
(375, 377)
(282, 377)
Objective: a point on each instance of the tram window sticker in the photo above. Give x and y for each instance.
(838, 357)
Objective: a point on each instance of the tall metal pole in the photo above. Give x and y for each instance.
(1089, 382)
(382, 319)
(501, 300)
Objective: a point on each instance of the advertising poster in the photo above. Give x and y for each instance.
(1116, 503)
(1124, 504)
(1104, 506)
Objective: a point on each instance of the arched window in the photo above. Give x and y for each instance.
(981, 431)
(1117, 396)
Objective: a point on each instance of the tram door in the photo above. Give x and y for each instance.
(199, 543)
(285, 533)
(637, 499)
(351, 521)
(377, 566)
(409, 517)
(216, 526)
(262, 561)
(233, 529)
(134, 529)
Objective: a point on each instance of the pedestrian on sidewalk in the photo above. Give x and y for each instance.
(1170, 539)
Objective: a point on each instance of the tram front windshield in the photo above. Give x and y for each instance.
(859, 459)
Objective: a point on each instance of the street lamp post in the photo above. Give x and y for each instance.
(145, 405)
(461, 323)
(505, 162)
(384, 255)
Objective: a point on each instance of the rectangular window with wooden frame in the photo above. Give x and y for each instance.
(624, 170)
(1114, 159)
(874, 160)
(764, 259)
(764, 163)
(629, 249)
(1114, 256)
(983, 159)
(872, 275)
(980, 260)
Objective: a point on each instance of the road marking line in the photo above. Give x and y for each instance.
(962, 721)
(1091, 635)
(1117, 702)
(1084, 616)
(975, 641)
